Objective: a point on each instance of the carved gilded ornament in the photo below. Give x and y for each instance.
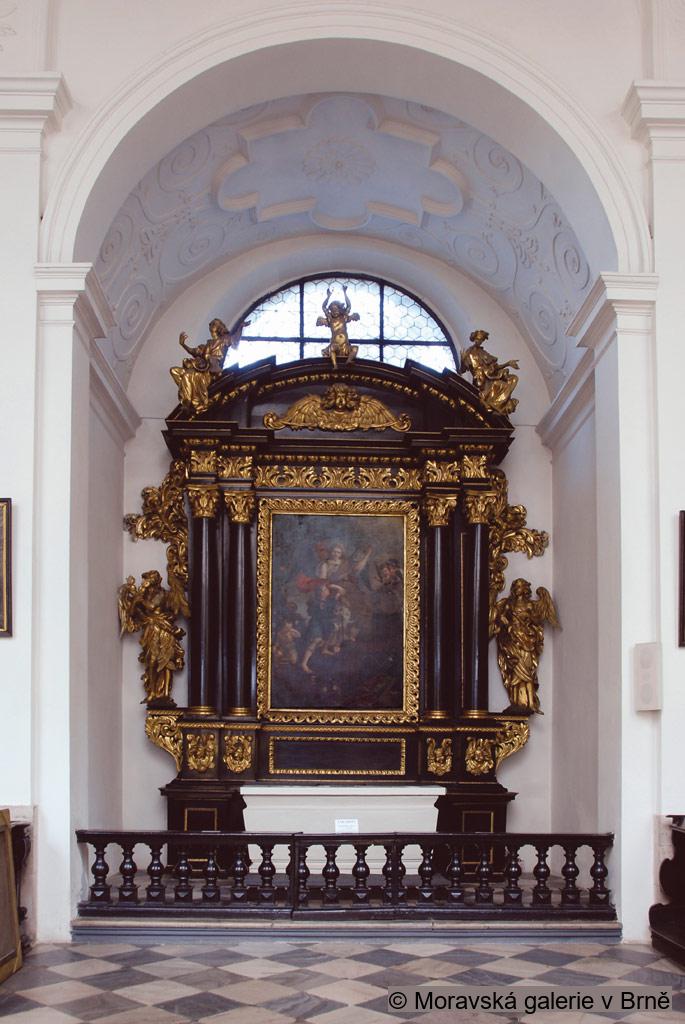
(163, 730)
(340, 407)
(203, 365)
(474, 467)
(494, 380)
(479, 755)
(439, 508)
(204, 501)
(441, 472)
(240, 505)
(518, 624)
(238, 751)
(164, 518)
(480, 506)
(378, 478)
(203, 461)
(439, 756)
(511, 738)
(235, 467)
(149, 610)
(201, 751)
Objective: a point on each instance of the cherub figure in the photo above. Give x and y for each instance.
(494, 380)
(205, 364)
(337, 317)
(519, 627)
(149, 609)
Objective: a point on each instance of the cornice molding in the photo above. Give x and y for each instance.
(36, 101)
(623, 302)
(655, 112)
(571, 406)
(109, 400)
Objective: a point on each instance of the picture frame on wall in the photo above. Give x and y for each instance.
(5, 567)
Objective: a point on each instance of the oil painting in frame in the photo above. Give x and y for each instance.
(338, 610)
(10, 940)
(5, 567)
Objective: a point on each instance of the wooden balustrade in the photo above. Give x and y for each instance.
(314, 884)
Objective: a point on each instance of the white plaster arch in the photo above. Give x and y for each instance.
(374, 47)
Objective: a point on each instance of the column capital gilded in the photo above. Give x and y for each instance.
(204, 500)
(479, 506)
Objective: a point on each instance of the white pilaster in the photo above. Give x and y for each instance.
(29, 105)
(656, 114)
(616, 322)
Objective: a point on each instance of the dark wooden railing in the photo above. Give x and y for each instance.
(211, 874)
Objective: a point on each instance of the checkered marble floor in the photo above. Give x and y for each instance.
(336, 981)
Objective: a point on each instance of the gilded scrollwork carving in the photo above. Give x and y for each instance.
(326, 477)
(441, 471)
(204, 500)
(480, 506)
(149, 610)
(511, 738)
(479, 755)
(238, 751)
(163, 730)
(439, 756)
(474, 467)
(203, 461)
(439, 508)
(340, 407)
(235, 467)
(494, 380)
(164, 518)
(201, 751)
(240, 505)
(518, 624)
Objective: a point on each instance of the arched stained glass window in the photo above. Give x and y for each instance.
(393, 326)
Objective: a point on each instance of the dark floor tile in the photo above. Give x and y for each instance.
(547, 956)
(301, 957)
(210, 977)
(481, 976)
(127, 977)
(297, 979)
(201, 1005)
(472, 957)
(30, 977)
(567, 976)
(301, 1005)
(383, 957)
(95, 1007)
(138, 957)
(50, 957)
(218, 957)
(648, 976)
(12, 1003)
(627, 955)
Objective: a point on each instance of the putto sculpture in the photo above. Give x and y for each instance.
(204, 365)
(337, 316)
(518, 626)
(150, 610)
(494, 380)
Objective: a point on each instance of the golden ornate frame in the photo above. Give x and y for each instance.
(409, 510)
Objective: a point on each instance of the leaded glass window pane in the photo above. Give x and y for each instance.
(364, 296)
(437, 357)
(405, 320)
(276, 317)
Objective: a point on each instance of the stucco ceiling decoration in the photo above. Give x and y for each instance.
(379, 167)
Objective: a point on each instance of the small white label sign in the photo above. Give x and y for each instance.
(346, 824)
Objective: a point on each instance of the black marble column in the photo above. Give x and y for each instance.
(204, 570)
(239, 604)
(439, 677)
(477, 507)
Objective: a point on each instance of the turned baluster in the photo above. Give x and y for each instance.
(302, 875)
(388, 874)
(331, 873)
(155, 890)
(240, 893)
(570, 896)
(599, 894)
(210, 890)
(128, 890)
(266, 873)
(426, 874)
(400, 872)
(455, 893)
(183, 891)
(360, 873)
(99, 890)
(484, 892)
(542, 894)
(513, 894)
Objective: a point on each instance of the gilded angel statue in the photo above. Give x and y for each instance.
(519, 627)
(337, 316)
(204, 365)
(494, 380)
(149, 609)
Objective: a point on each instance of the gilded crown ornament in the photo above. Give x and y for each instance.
(493, 379)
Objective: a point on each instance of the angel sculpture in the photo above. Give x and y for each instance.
(493, 379)
(337, 317)
(149, 608)
(519, 627)
(205, 364)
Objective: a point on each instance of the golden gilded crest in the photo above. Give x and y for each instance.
(164, 732)
(201, 751)
(238, 751)
(340, 407)
(479, 755)
(512, 737)
(439, 757)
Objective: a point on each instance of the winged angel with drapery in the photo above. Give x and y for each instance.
(519, 627)
(151, 609)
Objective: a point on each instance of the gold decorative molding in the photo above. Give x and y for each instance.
(240, 505)
(439, 508)
(474, 467)
(400, 741)
(235, 467)
(201, 751)
(441, 472)
(203, 461)
(512, 737)
(340, 407)
(479, 506)
(377, 478)
(163, 730)
(479, 755)
(439, 756)
(164, 518)
(204, 500)
(238, 751)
